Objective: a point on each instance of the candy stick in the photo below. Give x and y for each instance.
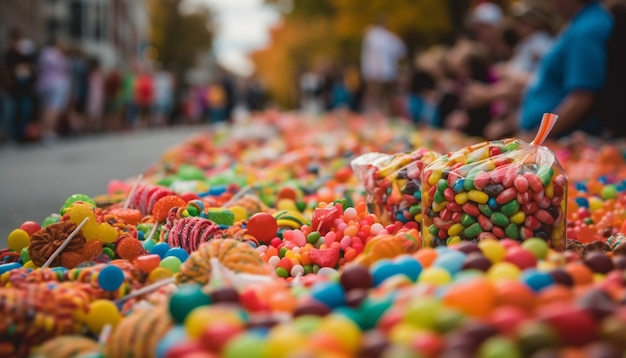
(146, 289)
(153, 231)
(547, 123)
(65, 243)
(237, 195)
(105, 334)
(132, 191)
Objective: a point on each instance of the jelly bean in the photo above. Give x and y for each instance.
(521, 184)
(499, 219)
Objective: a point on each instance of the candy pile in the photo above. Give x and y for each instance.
(260, 243)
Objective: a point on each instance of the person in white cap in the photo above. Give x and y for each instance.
(486, 22)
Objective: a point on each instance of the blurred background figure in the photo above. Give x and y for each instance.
(53, 87)
(143, 97)
(95, 101)
(533, 28)
(163, 97)
(486, 26)
(381, 52)
(18, 82)
(572, 72)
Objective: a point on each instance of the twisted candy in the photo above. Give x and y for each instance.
(189, 233)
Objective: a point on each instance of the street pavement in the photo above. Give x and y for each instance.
(35, 179)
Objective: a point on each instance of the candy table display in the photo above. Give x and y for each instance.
(259, 241)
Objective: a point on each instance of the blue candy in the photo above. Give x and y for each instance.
(177, 252)
(160, 249)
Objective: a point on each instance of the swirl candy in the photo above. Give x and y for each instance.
(188, 233)
(498, 189)
(393, 183)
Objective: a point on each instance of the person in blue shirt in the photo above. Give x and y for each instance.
(572, 72)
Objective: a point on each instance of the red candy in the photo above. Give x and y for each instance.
(129, 248)
(263, 227)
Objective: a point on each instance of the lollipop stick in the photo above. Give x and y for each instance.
(64, 244)
(153, 231)
(146, 289)
(237, 195)
(104, 334)
(132, 191)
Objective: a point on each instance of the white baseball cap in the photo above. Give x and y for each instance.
(487, 13)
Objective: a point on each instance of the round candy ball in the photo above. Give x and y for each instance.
(160, 249)
(30, 227)
(331, 294)
(110, 278)
(244, 345)
(262, 226)
(178, 252)
(101, 313)
(18, 239)
(171, 263)
(186, 298)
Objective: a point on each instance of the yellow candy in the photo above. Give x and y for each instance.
(30, 265)
(461, 198)
(240, 213)
(159, 273)
(102, 312)
(434, 177)
(18, 239)
(283, 340)
(518, 218)
(503, 271)
(595, 203)
(350, 337)
(437, 207)
(492, 250)
(92, 230)
(403, 334)
(456, 229)
(435, 276)
(478, 196)
(203, 316)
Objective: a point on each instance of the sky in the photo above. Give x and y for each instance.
(242, 26)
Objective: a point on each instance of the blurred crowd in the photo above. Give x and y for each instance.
(495, 79)
(55, 90)
(498, 77)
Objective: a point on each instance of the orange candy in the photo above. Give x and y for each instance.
(474, 298)
(130, 216)
(581, 274)
(129, 248)
(554, 294)
(514, 293)
(163, 206)
(426, 256)
(147, 263)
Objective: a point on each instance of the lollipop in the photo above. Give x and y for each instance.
(138, 334)
(44, 243)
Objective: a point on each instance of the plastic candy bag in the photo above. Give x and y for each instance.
(393, 183)
(497, 189)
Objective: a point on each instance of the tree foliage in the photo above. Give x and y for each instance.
(318, 31)
(179, 37)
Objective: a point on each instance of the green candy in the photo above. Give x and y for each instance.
(245, 345)
(312, 237)
(512, 231)
(282, 272)
(221, 217)
(472, 231)
(371, 310)
(24, 255)
(415, 209)
(185, 299)
(510, 147)
(496, 347)
(510, 208)
(109, 252)
(499, 219)
(190, 172)
(283, 252)
(438, 197)
(433, 230)
(77, 198)
(442, 184)
(467, 219)
(545, 174)
(485, 209)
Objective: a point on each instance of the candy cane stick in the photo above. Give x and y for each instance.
(146, 289)
(132, 191)
(237, 195)
(152, 232)
(105, 334)
(65, 243)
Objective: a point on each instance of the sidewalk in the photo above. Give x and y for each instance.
(36, 179)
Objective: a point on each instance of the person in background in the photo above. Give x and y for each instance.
(611, 103)
(95, 97)
(533, 27)
(143, 96)
(163, 97)
(486, 25)
(53, 87)
(113, 106)
(76, 121)
(18, 79)
(381, 53)
(421, 103)
(572, 72)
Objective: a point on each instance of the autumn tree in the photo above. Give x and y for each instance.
(179, 34)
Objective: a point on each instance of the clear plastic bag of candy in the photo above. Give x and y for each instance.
(496, 189)
(393, 183)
